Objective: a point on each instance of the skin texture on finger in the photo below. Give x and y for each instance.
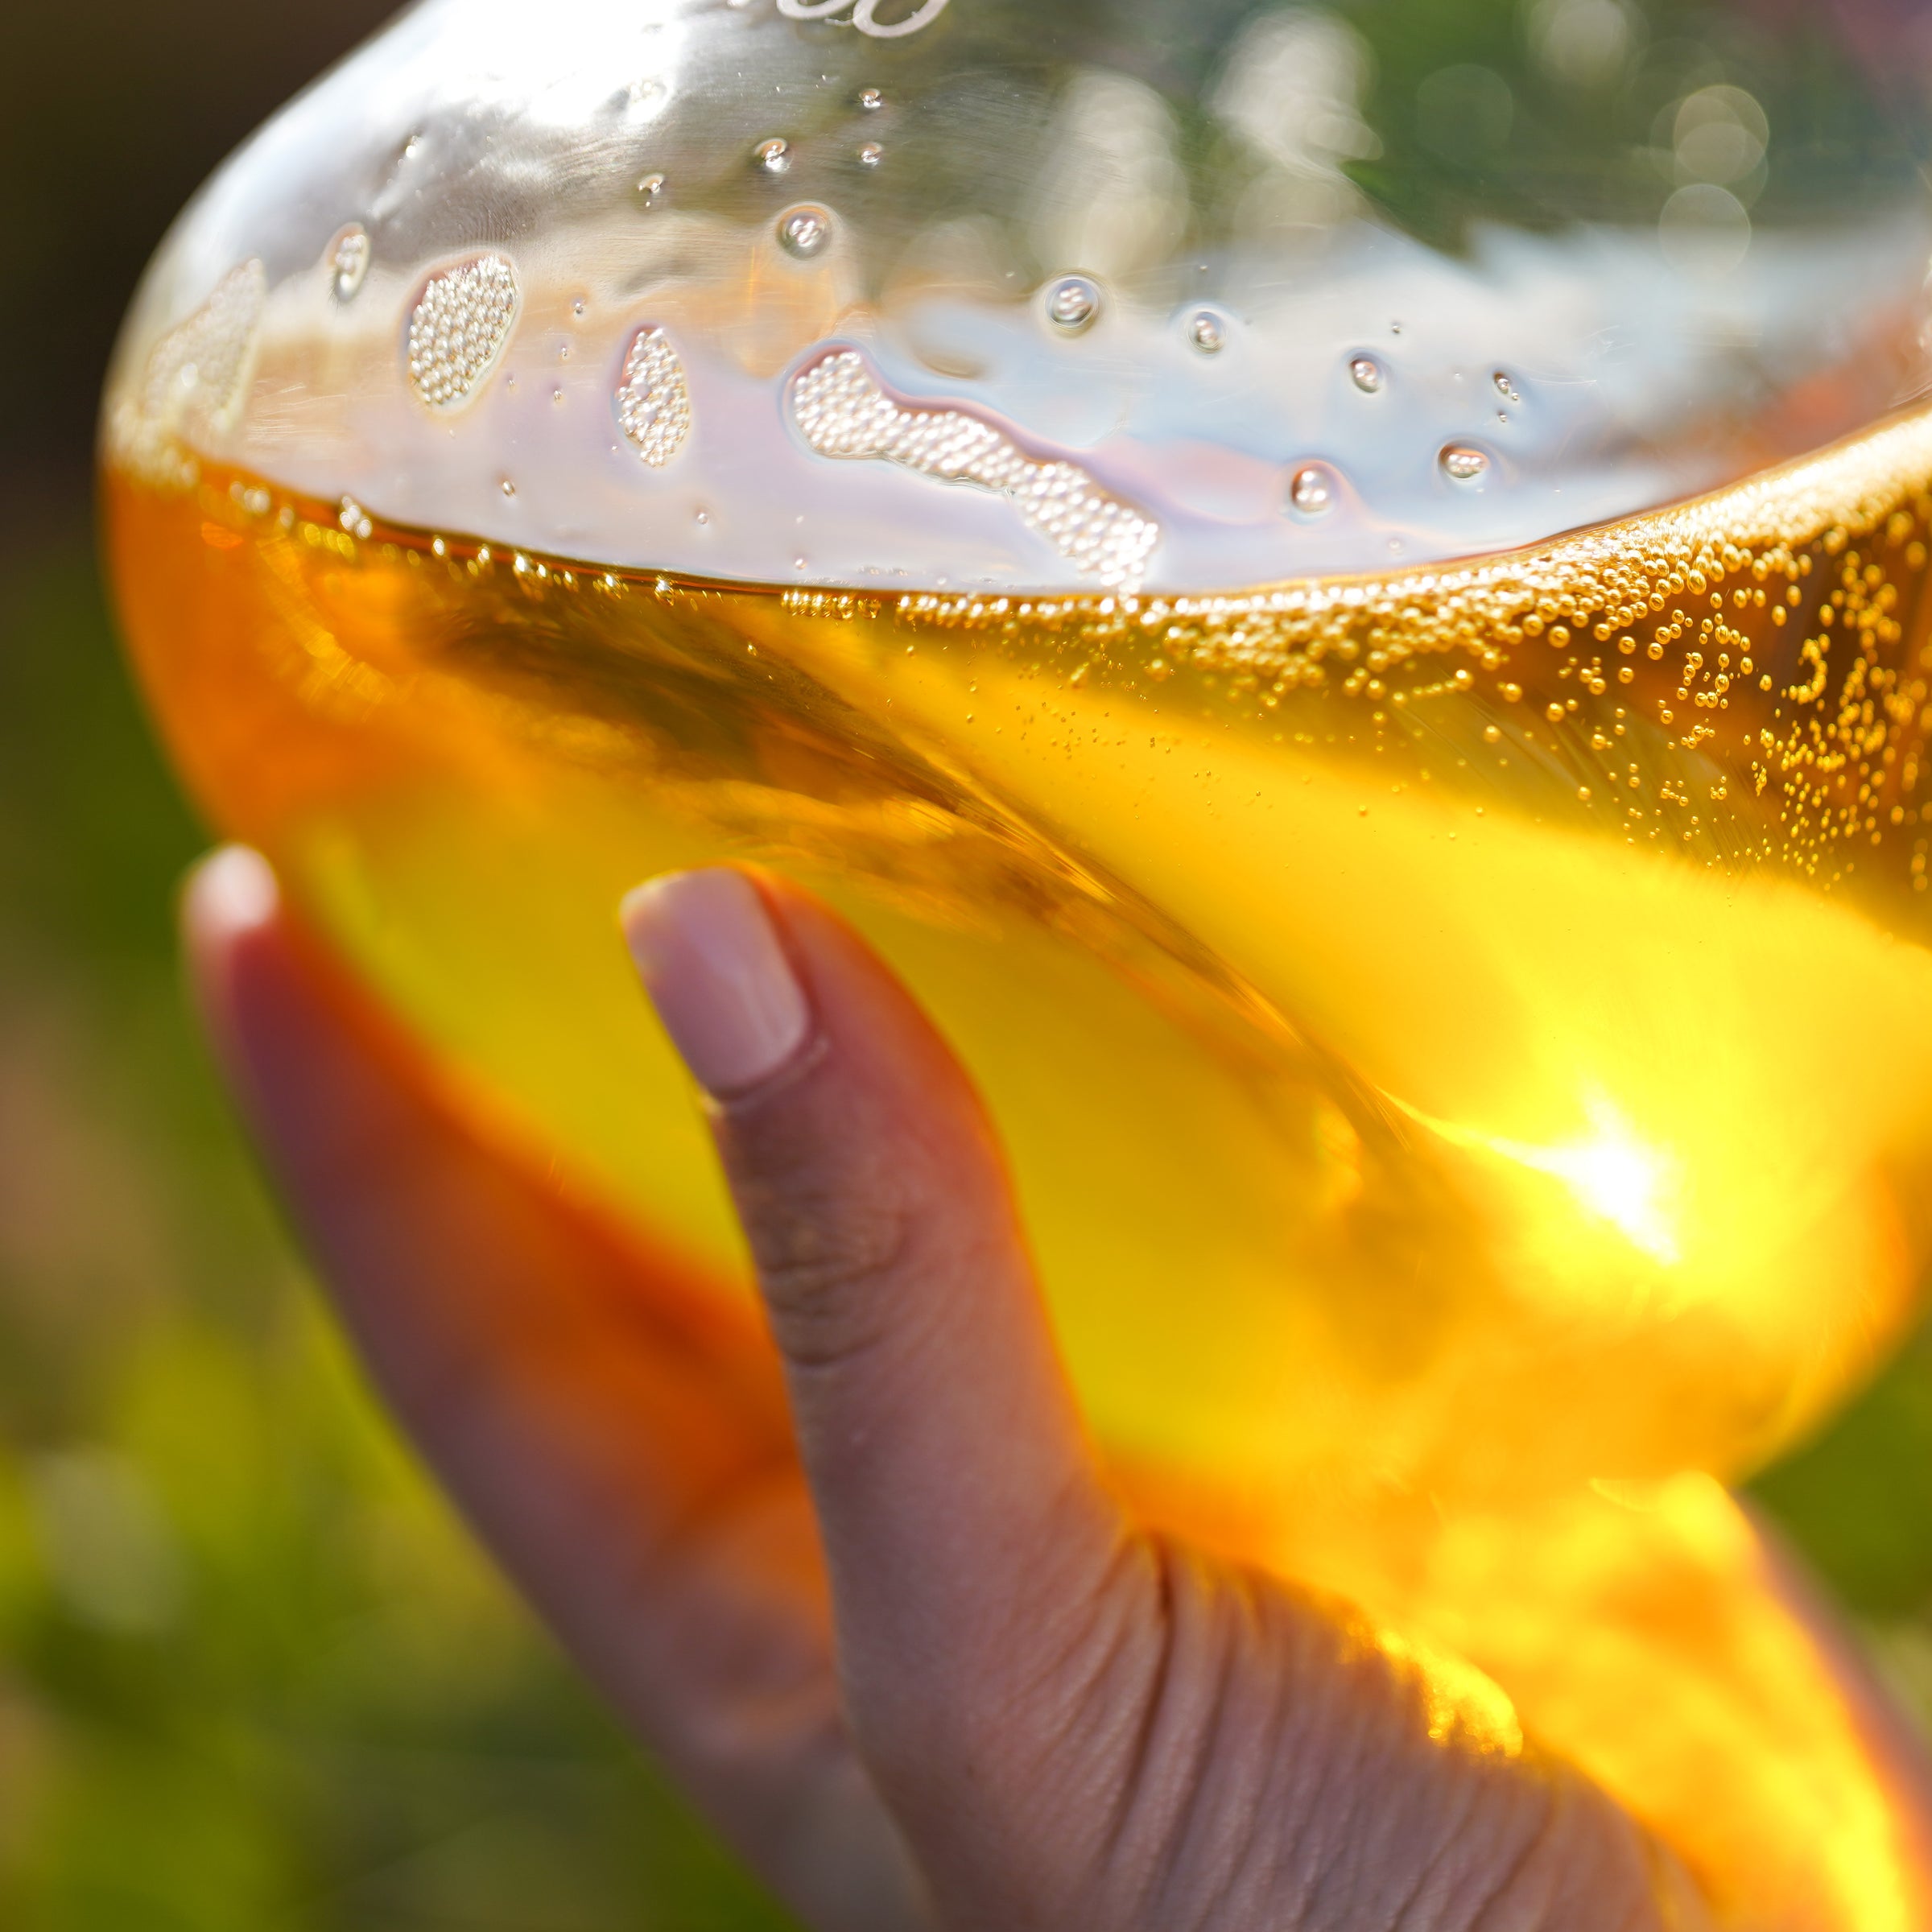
(616, 1435)
(1078, 1724)
(965, 1525)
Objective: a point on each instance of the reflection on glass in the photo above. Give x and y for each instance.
(1341, 589)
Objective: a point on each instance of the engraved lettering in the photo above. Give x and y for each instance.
(865, 15)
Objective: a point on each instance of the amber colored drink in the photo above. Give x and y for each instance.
(1464, 1039)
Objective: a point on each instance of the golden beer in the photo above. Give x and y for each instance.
(1462, 1027)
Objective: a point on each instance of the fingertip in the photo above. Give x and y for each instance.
(228, 895)
(711, 957)
(234, 935)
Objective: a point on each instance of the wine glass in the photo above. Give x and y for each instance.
(1341, 589)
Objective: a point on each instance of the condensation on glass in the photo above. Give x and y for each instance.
(1182, 268)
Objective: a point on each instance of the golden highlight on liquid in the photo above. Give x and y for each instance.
(1464, 1038)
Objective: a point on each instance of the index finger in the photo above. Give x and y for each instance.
(617, 1436)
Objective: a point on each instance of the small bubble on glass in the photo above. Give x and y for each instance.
(1311, 491)
(1072, 304)
(804, 232)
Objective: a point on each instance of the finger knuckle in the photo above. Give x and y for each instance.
(827, 1267)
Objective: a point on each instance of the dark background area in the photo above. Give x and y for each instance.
(112, 114)
(253, 1678)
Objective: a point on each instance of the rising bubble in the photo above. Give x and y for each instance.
(773, 156)
(1367, 374)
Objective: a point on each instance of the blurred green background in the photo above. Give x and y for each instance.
(252, 1675)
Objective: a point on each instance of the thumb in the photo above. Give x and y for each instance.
(967, 1530)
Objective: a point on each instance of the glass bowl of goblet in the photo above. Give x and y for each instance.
(1341, 589)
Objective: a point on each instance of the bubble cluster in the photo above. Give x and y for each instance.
(1846, 745)
(1462, 464)
(348, 258)
(1745, 680)
(654, 401)
(842, 411)
(194, 378)
(1206, 333)
(459, 329)
(1366, 373)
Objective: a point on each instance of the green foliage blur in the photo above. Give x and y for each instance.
(1474, 126)
(253, 1676)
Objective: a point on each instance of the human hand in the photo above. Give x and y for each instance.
(885, 1623)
